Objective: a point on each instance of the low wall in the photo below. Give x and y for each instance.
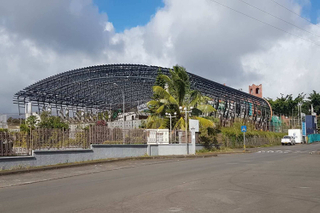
(199, 147)
(118, 151)
(53, 157)
(173, 149)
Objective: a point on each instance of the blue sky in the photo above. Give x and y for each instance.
(312, 12)
(125, 14)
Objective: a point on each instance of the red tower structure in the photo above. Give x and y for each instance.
(256, 90)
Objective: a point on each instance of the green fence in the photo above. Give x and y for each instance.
(313, 138)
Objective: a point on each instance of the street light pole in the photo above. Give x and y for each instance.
(185, 110)
(170, 116)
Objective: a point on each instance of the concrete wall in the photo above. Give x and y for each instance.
(45, 158)
(172, 149)
(53, 157)
(199, 147)
(118, 151)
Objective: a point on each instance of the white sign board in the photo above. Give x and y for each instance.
(194, 124)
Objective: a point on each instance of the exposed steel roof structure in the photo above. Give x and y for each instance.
(100, 88)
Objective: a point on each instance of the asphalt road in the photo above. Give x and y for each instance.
(278, 179)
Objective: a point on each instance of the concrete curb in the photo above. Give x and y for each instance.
(110, 160)
(228, 153)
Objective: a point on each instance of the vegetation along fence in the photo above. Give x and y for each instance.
(252, 140)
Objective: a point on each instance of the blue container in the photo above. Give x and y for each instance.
(311, 127)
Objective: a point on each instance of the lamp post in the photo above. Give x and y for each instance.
(123, 106)
(186, 111)
(170, 116)
(299, 114)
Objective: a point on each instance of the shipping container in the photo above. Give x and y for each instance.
(311, 124)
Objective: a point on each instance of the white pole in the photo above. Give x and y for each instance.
(244, 141)
(186, 115)
(170, 130)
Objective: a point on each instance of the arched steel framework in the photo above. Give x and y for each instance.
(100, 88)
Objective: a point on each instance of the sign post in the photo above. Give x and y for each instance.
(193, 127)
(244, 130)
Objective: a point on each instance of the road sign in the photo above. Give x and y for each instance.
(194, 124)
(304, 132)
(244, 130)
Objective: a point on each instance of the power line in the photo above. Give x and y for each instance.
(297, 14)
(266, 12)
(237, 11)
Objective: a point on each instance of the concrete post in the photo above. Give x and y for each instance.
(192, 149)
(149, 150)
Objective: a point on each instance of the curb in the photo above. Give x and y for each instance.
(110, 160)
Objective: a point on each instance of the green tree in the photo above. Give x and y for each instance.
(51, 122)
(314, 99)
(176, 93)
(286, 105)
(32, 121)
(3, 130)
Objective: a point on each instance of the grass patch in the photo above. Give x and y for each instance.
(215, 150)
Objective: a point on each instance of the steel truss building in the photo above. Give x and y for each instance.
(99, 88)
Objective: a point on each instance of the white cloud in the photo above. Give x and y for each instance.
(48, 37)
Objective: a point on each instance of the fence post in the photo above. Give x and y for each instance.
(1, 144)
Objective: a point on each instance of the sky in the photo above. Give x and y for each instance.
(236, 42)
(125, 14)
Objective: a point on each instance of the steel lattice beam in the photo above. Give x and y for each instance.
(93, 88)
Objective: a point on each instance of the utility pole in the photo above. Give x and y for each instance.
(170, 116)
(186, 111)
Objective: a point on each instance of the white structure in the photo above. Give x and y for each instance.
(129, 116)
(158, 136)
(129, 124)
(28, 112)
(3, 122)
(297, 134)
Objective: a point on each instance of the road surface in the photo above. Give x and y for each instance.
(279, 179)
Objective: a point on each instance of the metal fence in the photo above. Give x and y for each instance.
(14, 144)
(22, 143)
(105, 135)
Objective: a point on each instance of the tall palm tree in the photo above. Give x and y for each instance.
(177, 93)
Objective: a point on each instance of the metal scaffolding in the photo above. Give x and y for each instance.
(100, 88)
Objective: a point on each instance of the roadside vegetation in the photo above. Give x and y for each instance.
(46, 121)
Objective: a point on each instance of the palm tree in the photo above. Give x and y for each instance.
(174, 94)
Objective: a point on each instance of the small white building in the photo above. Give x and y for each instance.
(129, 124)
(158, 136)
